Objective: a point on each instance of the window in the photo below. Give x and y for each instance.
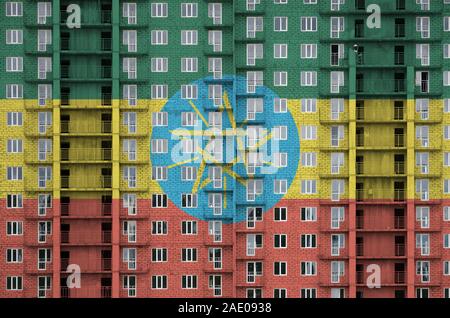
(159, 282)
(189, 91)
(189, 255)
(308, 214)
(189, 282)
(44, 66)
(14, 146)
(159, 254)
(189, 64)
(189, 37)
(280, 214)
(129, 12)
(336, 81)
(423, 53)
(254, 188)
(308, 268)
(188, 173)
(14, 173)
(215, 203)
(159, 173)
(159, 119)
(130, 203)
(308, 78)
(159, 228)
(423, 243)
(215, 12)
(159, 10)
(189, 200)
(189, 10)
(159, 64)
(254, 24)
(308, 132)
(14, 228)
(14, 9)
(14, 201)
(129, 284)
(308, 241)
(14, 255)
(215, 39)
(337, 271)
(14, 64)
(13, 282)
(337, 243)
(446, 210)
(280, 268)
(159, 37)
(308, 187)
(280, 24)
(279, 186)
(129, 38)
(215, 67)
(159, 146)
(309, 105)
(423, 216)
(44, 39)
(337, 162)
(308, 24)
(254, 52)
(308, 159)
(189, 227)
(14, 91)
(308, 51)
(337, 217)
(14, 119)
(159, 201)
(254, 107)
(336, 27)
(423, 26)
(423, 270)
(280, 51)
(14, 36)
(215, 230)
(130, 67)
(279, 133)
(280, 105)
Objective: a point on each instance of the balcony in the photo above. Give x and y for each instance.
(86, 183)
(86, 154)
(101, 46)
(72, 73)
(399, 167)
(79, 128)
(105, 100)
(399, 278)
(399, 251)
(396, 59)
(380, 195)
(86, 238)
(399, 222)
(360, 168)
(87, 209)
(380, 87)
(95, 292)
(88, 265)
(102, 17)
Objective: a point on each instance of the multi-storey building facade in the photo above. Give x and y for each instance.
(251, 148)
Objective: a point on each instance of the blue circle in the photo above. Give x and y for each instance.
(234, 172)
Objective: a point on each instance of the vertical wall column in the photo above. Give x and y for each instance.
(56, 90)
(410, 214)
(352, 175)
(115, 149)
